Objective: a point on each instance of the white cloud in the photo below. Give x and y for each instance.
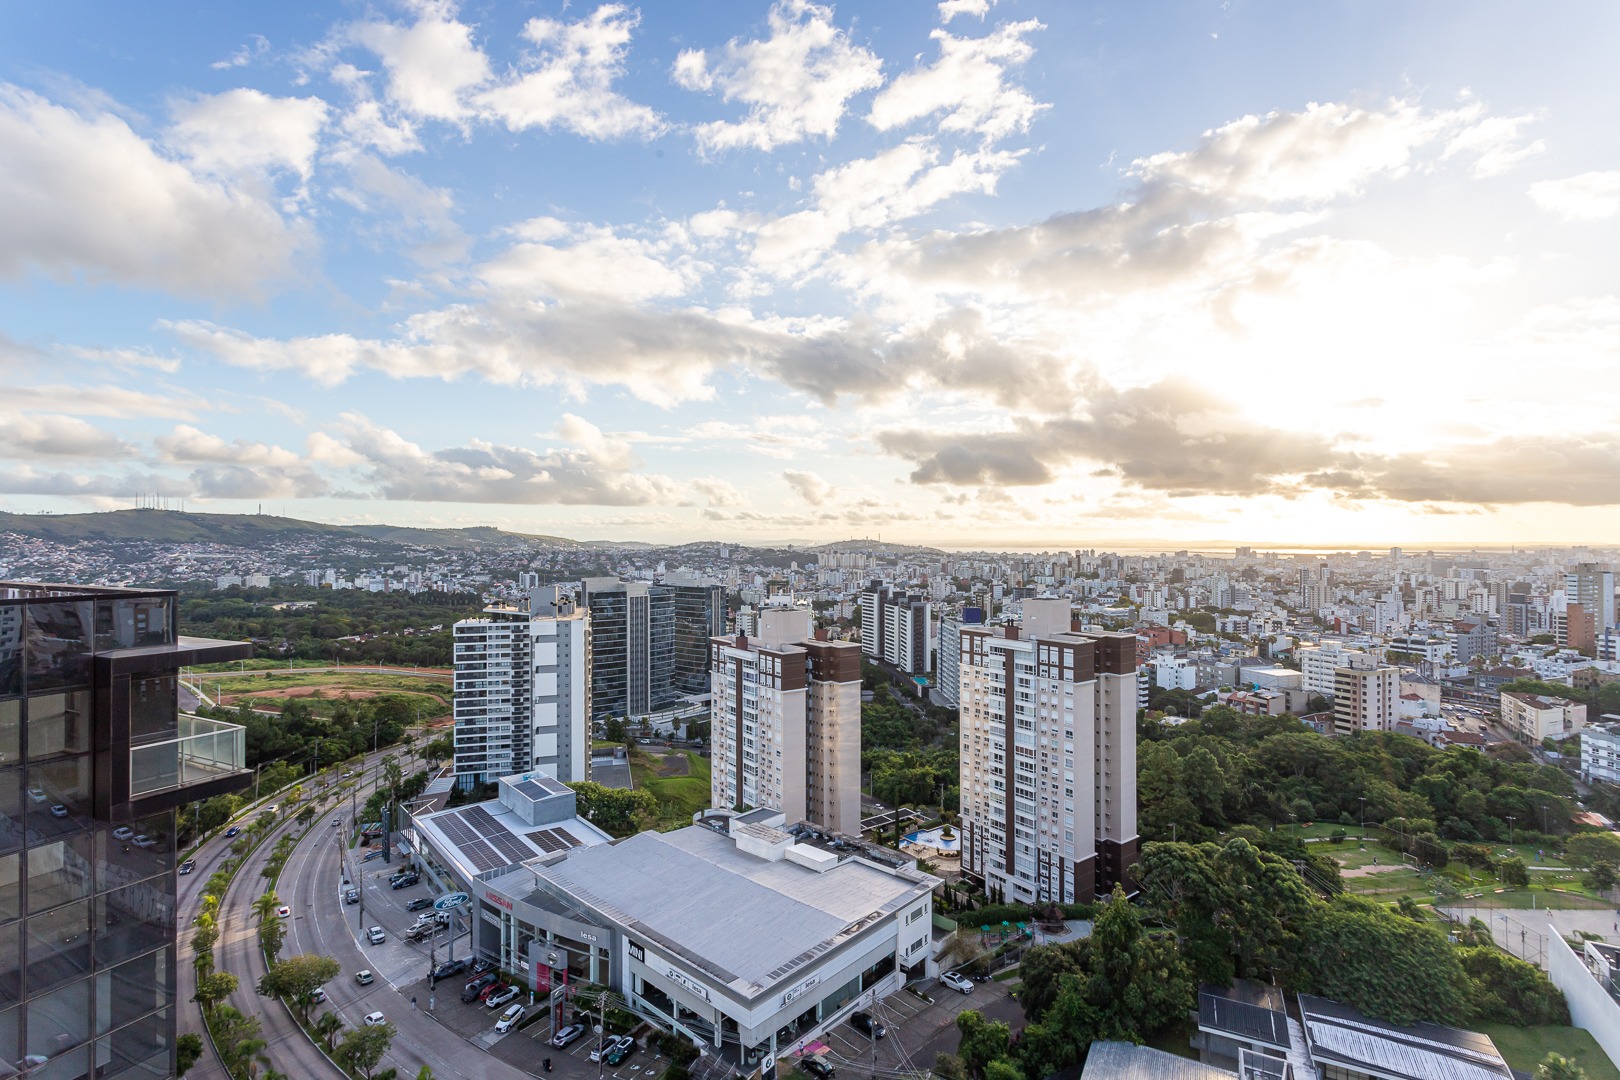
(81, 194)
(568, 81)
(405, 209)
(257, 46)
(968, 83)
(796, 83)
(718, 492)
(244, 131)
(809, 487)
(1497, 143)
(192, 446)
(56, 436)
(1589, 196)
(432, 64)
(555, 261)
(950, 9)
(110, 401)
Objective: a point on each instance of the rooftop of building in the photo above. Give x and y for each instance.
(1127, 1061)
(750, 920)
(1246, 1010)
(1544, 701)
(1339, 1034)
(532, 818)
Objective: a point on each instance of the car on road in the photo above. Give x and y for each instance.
(187, 867)
(364, 978)
(37, 794)
(817, 1067)
(608, 1045)
(144, 841)
(495, 1001)
(473, 990)
(124, 832)
(509, 1019)
(232, 831)
(449, 968)
(317, 995)
(957, 981)
(868, 1025)
(283, 912)
(352, 896)
(419, 903)
(336, 823)
(615, 1056)
(375, 1019)
(376, 935)
(58, 810)
(567, 1035)
(272, 808)
(407, 881)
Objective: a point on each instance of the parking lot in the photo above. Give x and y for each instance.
(917, 1030)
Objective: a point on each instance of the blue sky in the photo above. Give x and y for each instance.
(965, 272)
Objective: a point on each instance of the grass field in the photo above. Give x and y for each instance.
(244, 684)
(1525, 1047)
(1534, 898)
(679, 797)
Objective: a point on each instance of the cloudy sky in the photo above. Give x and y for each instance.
(970, 272)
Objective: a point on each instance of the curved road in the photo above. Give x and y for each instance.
(237, 950)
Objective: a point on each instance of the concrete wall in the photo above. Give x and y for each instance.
(1590, 1006)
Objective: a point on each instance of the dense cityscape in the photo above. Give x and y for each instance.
(809, 540)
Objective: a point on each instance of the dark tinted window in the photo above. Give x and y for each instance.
(58, 635)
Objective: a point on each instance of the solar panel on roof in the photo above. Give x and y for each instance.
(480, 819)
(567, 837)
(456, 829)
(514, 849)
(483, 856)
(545, 840)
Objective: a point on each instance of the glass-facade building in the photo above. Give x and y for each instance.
(700, 614)
(95, 756)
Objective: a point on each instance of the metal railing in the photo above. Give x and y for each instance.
(204, 750)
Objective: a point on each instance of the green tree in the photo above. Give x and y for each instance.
(327, 1025)
(271, 936)
(265, 905)
(1506, 990)
(213, 989)
(187, 1049)
(1365, 955)
(1515, 874)
(361, 1049)
(982, 1041)
(613, 810)
(237, 1038)
(1600, 875)
(297, 977)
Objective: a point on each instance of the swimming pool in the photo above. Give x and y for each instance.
(933, 838)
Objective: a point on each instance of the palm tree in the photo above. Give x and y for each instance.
(265, 906)
(327, 1026)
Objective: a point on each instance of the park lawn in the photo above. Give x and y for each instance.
(341, 680)
(1524, 1047)
(1525, 899)
(432, 704)
(236, 665)
(1391, 885)
(1351, 857)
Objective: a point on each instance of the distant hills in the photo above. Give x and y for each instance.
(245, 530)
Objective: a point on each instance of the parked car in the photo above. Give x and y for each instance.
(608, 1044)
(474, 989)
(375, 1019)
(489, 991)
(37, 794)
(567, 1035)
(449, 968)
(352, 896)
(624, 1047)
(868, 1025)
(509, 1019)
(144, 841)
(364, 978)
(419, 903)
(232, 831)
(480, 965)
(957, 981)
(495, 1001)
(376, 935)
(124, 832)
(406, 882)
(368, 856)
(58, 810)
(187, 867)
(816, 1067)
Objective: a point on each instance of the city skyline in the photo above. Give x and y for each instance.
(970, 274)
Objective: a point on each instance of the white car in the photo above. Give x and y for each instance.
(37, 794)
(375, 1019)
(283, 912)
(509, 1019)
(59, 810)
(144, 841)
(957, 981)
(376, 936)
(272, 808)
(123, 832)
(318, 994)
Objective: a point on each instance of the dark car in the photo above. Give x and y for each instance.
(352, 896)
(868, 1026)
(816, 1067)
(407, 881)
(232, 831)
(419, 903)
(449, 968)
(474, 989)
(187, 867)
(618, 1053)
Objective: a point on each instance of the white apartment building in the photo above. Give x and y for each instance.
(1048, 762)
(1366, 700)
(1600, 751)
(897, 628)
(1175, 673)
(786, 730)
(946, 689)
(1533, 717)
(523, 690)
(1318, 663)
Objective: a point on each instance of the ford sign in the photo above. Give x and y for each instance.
(450, 900)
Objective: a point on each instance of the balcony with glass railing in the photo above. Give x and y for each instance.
(204, 750)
